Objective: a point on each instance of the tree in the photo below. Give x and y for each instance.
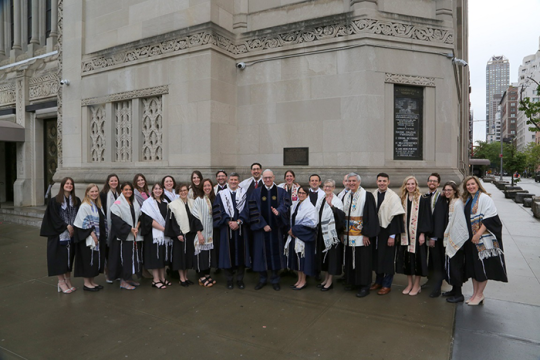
(488, 151)
(531, 110)
(532, 153)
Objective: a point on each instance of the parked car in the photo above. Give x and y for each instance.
(537, 177)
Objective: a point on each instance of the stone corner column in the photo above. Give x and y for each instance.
(53, 36)
(16, 49)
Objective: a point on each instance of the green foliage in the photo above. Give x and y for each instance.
(532, 153)
(488, 151)
(532, 111)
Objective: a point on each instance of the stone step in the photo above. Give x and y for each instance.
(28, 212)
(21, 219)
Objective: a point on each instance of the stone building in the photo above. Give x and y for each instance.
(509, 107)
(168, 86)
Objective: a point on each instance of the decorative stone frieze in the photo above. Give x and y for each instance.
(152, 129)
(97, 133)
(43, 86)
(59, 99)
(122, 112)
(127, 95)
(409, 80)
(156, 46)
(7, 94)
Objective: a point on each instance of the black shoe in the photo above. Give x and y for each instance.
(86, 288)
(260, 285)
(277, 287)
(184, 283)
(292, 286)
(455, 299)
(363, 293)
(448, 293)
(190, 282)
(230, 285)
(435, 294)
(99, 287)
(298, 288)
(327, 288)
(240, 285)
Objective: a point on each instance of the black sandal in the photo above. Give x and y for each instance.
(159, 285)
(168, 283)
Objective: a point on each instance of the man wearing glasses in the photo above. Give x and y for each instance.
(221, 179)
(268, 209)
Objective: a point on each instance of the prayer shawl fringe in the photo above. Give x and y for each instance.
(390, 207)
(408, 238)
(456, 233)
(483, 208)
(122, 209)
(150, 208)
(135, 266)
(178, 208)
(354, 220)
(88, 218)
(67, 214)
(307, 216)
(202, 210)
(226, 199)
(328, 223)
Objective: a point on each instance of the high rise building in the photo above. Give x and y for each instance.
(529, 76)
(509, 104)
(497, 81)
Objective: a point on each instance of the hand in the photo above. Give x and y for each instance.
(267, 228)
(329, 199)
(366, 241)
(181, 238)
(94, 237)
(422, 239)
(391, 241)
(291, 233)
(431, 243)
(200, 237)
(475, 239)
(233, 225)
(274, 211)
(70, 230)
(134, 231)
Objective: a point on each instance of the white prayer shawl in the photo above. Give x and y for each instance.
(178, 208)
(307, 216)
(457, 232)
(294, 191)
(108, 205)
(122, 209)
(150, 207)
(87, 218)
(390, 207)
(354, 223)
(434, 199)
(488, 245)
(408, 238)
(67, 216)
(343, 193)
(226, 199)
(171, 194)
(247, 183)
(216, 187)
(328, 223)
(320, 197)
(202, 210)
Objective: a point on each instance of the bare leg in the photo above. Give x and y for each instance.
(480, 290)
(409, 285)
(328, 281)
(182, 276)
(67, 276)
(63, 285)
(89, 282)
(475, 290)
(416, 286)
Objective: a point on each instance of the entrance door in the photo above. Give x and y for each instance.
(50, 152)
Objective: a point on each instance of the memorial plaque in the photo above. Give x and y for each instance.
(408, 122)
(296, 156)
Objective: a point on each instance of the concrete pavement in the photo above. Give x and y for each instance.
(199, 323)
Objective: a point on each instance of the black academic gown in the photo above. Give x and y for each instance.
(90, 263)
(125, 257)
(415, 263)
(384, 255)
(308, 235)
(436, 257)
(268, 246)
(60, 256)
(155, 256)
(359, 259)
(234, 249)
(332, 260)
(183, 252)
(492, 268)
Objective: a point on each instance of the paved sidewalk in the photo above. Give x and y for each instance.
(198, 323)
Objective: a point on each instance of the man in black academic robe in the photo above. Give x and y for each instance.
(268, 207)
(390, 212)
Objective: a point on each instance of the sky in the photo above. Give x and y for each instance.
(498, 27)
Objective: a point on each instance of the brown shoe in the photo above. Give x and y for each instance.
(375, 286)
(384, 291)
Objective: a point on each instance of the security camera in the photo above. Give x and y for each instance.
(64, 82)
(241, 65)
(460, 62)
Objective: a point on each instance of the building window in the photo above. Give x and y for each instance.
(48, 11)
(11, 16)
(29, 24)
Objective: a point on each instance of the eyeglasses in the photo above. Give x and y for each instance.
(448, 190)
(302, 193)
(434, 181)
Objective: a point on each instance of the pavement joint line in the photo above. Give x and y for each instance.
(12, 353)
(504, 336)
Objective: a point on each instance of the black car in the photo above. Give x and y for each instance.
(537, 177)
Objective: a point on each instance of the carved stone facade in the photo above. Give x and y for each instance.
(122, 113)
(97, 133)
(152, 129)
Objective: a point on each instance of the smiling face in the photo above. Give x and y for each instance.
(289, 178)
(411, 186)
(127, 191)
(157, 191)
(449, 192)
(353, 183)
(328, 188)
(168, 183)
(140, 182)
(256, 171)
(68, 187)
(433, 183)
(233, 182)
(472, 186)
(268, 178)
(382, 183)
(314, 182)
(113, 183)
(302, 195)
(93, 193)
(184, 193)
(207, 187)
(195, 179)
(221, 178)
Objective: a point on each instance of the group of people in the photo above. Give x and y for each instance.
(259, 225)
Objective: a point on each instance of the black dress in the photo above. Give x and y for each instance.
(60, 254)
(156, 256)
(416, 263)
(90, 263)
(183, 252)
(332, 260)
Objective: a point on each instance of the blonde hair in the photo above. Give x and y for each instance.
(466, 193)
(87, 198)
(404, 191)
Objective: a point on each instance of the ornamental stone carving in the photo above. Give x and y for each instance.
(122, 111)
(59, 97)
(157, 47)
(44, 86)
(127, 95)
(409, 80)
(97, 133)
(7, 94)
(152, 129)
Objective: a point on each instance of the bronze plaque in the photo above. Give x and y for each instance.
(408, 122)
(298, 156)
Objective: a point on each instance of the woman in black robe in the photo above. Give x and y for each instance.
(108, 195)
(181, 227)
(412, 253)
(125, 253)
(157, 246)
(90, 239)
(57, 226)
